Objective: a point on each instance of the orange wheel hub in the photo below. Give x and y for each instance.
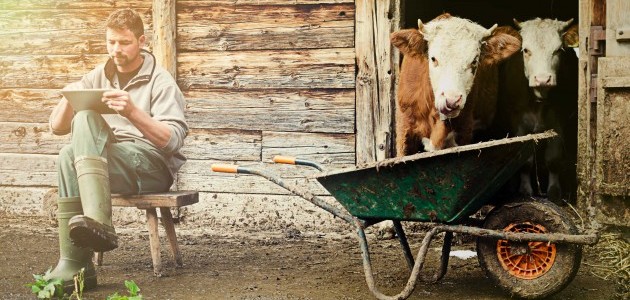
(526, 260)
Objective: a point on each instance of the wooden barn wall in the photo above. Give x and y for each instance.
(261, 78)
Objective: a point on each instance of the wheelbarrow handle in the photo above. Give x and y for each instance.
(290, 160)
(282, 159)
(224, 168)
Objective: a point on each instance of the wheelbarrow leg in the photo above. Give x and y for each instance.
(446, 251)
(402, 238)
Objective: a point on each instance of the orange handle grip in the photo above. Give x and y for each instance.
(224, 168)
(279, 159)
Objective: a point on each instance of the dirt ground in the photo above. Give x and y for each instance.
(231, 264)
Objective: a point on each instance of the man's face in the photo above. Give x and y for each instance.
(124, 48)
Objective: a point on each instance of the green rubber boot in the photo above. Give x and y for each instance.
(94, 228)
(71, 258)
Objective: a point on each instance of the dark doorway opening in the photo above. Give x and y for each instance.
(489, 12)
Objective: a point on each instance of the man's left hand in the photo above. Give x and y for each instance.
(120, 101)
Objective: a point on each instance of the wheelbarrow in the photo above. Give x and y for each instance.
(529, 247)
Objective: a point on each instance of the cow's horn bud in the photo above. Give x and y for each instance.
(420, 25)
(517, 23)
(566, 24)
(491, 29)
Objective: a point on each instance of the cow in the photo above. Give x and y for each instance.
(448, 65)
(448, 84)
(539, 92)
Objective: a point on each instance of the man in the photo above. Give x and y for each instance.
(133, 151)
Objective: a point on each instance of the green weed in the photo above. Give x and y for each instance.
(46, 289)
(133, 290)
(53, 288)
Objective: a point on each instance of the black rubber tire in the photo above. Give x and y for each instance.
(567, 258)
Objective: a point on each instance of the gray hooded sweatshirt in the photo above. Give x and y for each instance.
(154, 91)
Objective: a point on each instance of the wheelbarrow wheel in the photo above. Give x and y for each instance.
(529, 270)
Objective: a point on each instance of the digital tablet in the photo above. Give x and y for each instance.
(88, 99)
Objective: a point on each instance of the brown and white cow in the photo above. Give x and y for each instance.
(448, 64)
(539, 92)
(448, 84)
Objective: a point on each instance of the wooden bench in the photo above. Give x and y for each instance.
(150, 203)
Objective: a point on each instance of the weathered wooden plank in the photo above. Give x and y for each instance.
(58, 31)
(27, 105)
(308, 68)
(617, 26)
(23, 200)
(218, 144)
(309, 110)
(72, 4)
(262, 211)
(20, 21)
(322, 148)
(223, 144)
(202, 3)
(263, 36)
(276, 15)
(366, 82)
(612, 161)
(594, 13)
(165, 19)
(254, 27)
(387, 20)
(77, 41)
(375, 84)
(31, 138)
(197, 175)
(27, 170)
(45, 71)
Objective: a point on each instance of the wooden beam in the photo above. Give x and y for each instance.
(375, 81)
(164, 35)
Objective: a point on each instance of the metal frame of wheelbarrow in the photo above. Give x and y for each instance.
(415, 266)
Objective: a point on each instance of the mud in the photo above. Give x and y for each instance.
(230, 263)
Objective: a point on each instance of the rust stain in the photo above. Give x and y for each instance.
(409, 210)
(433, 216)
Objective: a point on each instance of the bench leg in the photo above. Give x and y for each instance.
(98, 258)
(167, 222)
(154, 240)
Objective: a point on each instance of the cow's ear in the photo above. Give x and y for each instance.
(571, 38)
(501, 44)
(409, 41)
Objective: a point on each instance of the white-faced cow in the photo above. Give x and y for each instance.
(448, 65)
(448, 84)
(539, 92)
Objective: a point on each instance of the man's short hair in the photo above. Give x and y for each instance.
(126, 18)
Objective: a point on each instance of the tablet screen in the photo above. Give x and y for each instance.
(88, 99)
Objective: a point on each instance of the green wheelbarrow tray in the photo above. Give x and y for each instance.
(442, 186)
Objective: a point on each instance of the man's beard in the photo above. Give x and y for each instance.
(122, 60)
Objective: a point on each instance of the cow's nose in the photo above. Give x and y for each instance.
(452, 102)
(543, 79)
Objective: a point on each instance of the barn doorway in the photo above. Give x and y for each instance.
(488, 13)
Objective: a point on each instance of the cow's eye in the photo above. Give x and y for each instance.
(434, 60)
(526, 51)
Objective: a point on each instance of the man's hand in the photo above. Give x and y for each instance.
(120, 101)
